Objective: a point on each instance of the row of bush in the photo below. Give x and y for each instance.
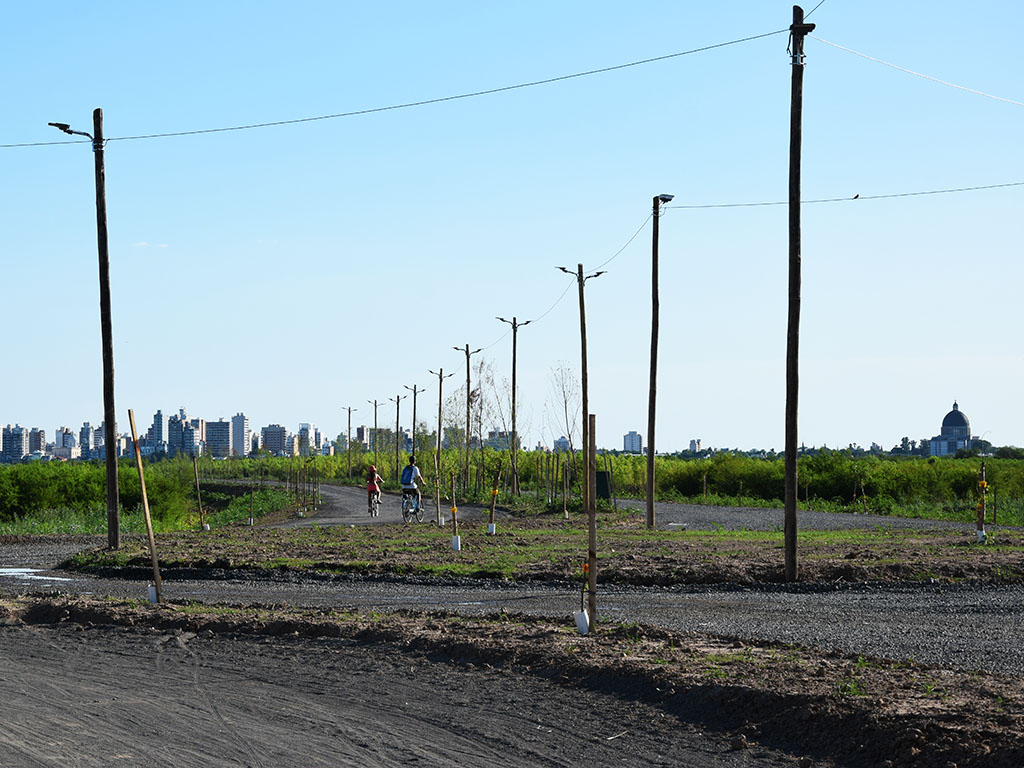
(830, 479)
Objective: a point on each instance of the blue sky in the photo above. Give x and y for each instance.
(290, 271)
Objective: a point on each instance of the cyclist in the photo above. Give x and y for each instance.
(373, 484)
(409, 476)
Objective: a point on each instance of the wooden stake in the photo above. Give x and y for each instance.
(494, 491)
(591, 497)
(199, 497)
(145, 509)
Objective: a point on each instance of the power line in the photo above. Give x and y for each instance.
(814, 9)
(854, 198)
(627, 242)
(918, 74)
(421, 103)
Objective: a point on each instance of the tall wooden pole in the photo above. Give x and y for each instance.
(106, 330)
(798, 30)
(465, 468)
(653, 395)
(348, 441)
(440, 386)
(415, 391)
(374, 431)
(398, 464)
(515, 434)
(583, 370)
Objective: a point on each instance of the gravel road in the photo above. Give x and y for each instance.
(960, 626)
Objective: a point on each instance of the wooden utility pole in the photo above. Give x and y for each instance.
(592, 524)
(145, 509)
(397, 400)
(348, 440)
(798, 30)
(109, 415)
(465, 469)
(653, 395)
(581, 280)
(515, 435)
(440, 386)
(415, 391)
(374, 431)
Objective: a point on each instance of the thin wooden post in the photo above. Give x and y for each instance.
(983, 487)
(199, 497)
(455, 510)
(565, 490)
(145, 508)
(705, 487)
(611, 480)
(591, 497)
(494, 493)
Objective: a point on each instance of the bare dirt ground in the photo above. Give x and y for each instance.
(98, 682)
(258, 685)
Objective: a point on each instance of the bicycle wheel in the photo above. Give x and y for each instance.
(419, 513)
(406, 508)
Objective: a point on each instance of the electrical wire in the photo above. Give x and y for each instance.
(918, 74)
(421, 103)
(814, 9)
(855, 198)
(627, 242)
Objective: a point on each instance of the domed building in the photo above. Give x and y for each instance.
(954, 435)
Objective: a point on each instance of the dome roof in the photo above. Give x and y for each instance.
(955, 418)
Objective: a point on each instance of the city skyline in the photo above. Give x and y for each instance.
(301, 268)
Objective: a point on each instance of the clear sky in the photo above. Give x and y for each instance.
(290, 271)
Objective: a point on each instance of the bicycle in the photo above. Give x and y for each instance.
(375, 504)
(410, 507)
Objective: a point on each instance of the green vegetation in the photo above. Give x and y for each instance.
(70, 496)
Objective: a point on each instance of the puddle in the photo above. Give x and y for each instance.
(27, 574)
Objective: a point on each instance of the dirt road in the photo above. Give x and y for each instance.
(116, 697)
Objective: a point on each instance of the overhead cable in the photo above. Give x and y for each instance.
(421, 103)
(854, 198)
(918, 74)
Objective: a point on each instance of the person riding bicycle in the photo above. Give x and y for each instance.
(409, 476)
(373, 484)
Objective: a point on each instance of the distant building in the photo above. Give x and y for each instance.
(632, 442)
(695, 445)
(240, 434)
(159, 428)
(501, 440)
(218, 438)
(64, 438)
(275, 440)
(85, 440)
(176, 433)
(37, 440)
(561, 445)
(15, 443)
(954, 434)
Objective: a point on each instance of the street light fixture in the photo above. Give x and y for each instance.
(109, 416)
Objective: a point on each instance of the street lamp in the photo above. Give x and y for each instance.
(109, 417)
(581, 280)
(515, 437)
(659, 200)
